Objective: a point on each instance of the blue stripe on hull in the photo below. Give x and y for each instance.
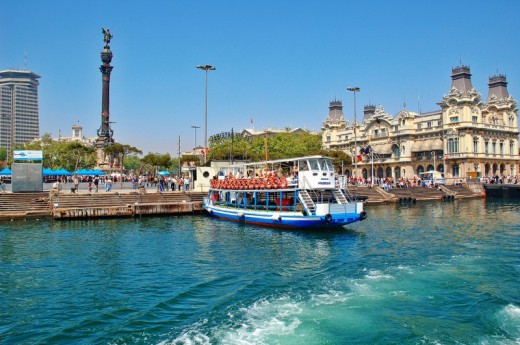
(284, 221)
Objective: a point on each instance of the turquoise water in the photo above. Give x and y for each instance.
(431, 273)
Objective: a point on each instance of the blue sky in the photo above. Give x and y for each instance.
(278, 62)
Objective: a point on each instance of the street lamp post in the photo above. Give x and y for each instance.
(195, 128)
(206, 68)
(354, 90)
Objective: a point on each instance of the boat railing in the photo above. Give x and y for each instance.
(254, 183)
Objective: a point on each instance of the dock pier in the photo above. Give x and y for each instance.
(132, 203)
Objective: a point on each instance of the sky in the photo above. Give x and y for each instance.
(278, 63)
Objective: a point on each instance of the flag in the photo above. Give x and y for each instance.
(359, 158)
(251, 120)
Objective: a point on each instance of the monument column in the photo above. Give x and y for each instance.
(104, 132)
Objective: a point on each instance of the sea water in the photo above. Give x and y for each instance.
(429, 273)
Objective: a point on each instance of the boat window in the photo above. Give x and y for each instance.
(304, 166)
(314, 164)
(326, 165)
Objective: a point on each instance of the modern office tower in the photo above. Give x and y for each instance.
(19, 116)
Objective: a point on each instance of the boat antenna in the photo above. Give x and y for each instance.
(266, 152)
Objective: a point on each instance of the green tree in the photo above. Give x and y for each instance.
(281, 145)
(60, 154)
(3, 154)
(132, 163)
(157, 161)
(121, 151)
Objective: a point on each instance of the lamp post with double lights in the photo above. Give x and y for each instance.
(206, 68)
(195, 128)
(354, 90)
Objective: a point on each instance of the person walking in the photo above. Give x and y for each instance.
(108, 185)
(96, 183)
(76, 183)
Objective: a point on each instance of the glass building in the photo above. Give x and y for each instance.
(19, 115)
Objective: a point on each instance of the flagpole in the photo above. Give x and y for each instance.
(372, 154)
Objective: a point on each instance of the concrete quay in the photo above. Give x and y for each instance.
(127, 202)
(121, 201)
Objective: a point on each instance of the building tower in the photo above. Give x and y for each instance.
(461, 79)
(19, 115)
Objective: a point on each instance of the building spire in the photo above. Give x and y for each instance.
(461, 78)
(497, 87)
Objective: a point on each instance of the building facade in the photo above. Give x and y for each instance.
(467, 138)
(19, 115)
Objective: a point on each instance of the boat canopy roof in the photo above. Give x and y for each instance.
(285, 160)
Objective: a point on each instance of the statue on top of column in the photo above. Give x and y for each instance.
(107, 37)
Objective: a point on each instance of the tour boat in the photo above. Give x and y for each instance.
(291, 193)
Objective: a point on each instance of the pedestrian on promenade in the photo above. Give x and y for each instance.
(96, 183)
(161, 185)
(108, 185)
(187, 184)
(172, 183)
(76, 183)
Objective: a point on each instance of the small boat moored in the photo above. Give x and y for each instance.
(291, 193)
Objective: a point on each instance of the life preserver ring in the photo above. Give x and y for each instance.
(251, 184)
(283, 183)
(263, 183)
(276, 182)
(328, 218)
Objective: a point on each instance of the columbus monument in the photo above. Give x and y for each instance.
(105, 133)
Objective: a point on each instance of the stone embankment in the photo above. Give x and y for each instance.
(95, 205)
(134, 204)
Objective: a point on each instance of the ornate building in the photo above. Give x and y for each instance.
(466, 138)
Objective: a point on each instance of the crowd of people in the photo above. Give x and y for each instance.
(387, 183)
(500, 179)
(161, 183)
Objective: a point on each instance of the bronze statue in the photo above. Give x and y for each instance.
(107, 37)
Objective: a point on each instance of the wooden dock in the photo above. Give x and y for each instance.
(134, 204)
